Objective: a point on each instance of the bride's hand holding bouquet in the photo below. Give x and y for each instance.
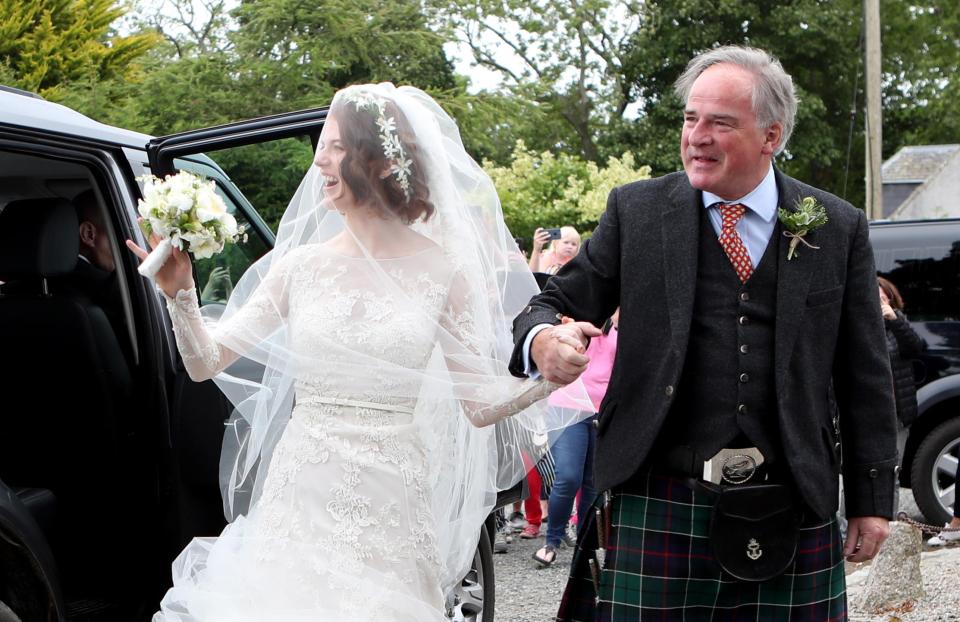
(181, 213)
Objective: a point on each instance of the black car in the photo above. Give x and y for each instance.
(922, 258)
(108, 451)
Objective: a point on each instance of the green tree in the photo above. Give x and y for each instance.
(272, 56)
(921, 65)
(50, 46)
(818, 43)
(564, 57)
(547, 190)
(813, 40)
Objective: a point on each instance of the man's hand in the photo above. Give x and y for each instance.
(558, 352)
(865, 535)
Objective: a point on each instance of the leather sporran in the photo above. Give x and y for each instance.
(754, 530)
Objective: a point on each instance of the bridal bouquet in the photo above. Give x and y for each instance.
(185, 211)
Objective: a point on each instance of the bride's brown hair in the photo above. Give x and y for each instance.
(367, 170)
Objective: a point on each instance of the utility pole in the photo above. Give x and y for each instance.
(874, 118)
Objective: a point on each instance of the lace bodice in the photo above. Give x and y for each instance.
(353, 335)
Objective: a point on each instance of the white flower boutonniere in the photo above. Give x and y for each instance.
(809, 215)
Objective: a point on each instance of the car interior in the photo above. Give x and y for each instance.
(67, 452)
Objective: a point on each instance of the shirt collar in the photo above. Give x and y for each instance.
(762, 200)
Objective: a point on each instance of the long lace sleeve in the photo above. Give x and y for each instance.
(488, 392)
(203, 357)
(209, 348)
(517, 396)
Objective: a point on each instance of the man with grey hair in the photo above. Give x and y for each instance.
(750, 345)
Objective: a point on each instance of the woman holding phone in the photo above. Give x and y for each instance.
(565, 246)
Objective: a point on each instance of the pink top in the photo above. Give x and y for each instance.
(601, 351)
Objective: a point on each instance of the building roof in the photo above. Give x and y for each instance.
(916, 164)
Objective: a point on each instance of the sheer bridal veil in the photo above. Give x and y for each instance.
(428, 182)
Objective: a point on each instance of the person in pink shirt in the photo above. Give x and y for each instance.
(574, 446)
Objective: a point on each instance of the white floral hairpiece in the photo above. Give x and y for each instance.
(389, 138)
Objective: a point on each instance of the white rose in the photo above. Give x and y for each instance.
(150, 191)
(182, 202)
(181, 183)
(160, 227)
(206, 248)
(229, 225)
(209, 205)
(143, 208)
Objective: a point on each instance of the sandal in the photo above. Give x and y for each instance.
(550, 555)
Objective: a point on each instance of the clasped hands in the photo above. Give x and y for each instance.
(559, 351)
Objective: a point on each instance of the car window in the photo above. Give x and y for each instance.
(217, 275)
(923, 261)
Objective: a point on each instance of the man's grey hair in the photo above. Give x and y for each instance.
(773, 97)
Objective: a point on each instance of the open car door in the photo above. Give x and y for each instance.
(198, 410)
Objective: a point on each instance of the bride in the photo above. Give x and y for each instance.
(358, 471)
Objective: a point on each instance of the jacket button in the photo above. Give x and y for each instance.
(596, 423)
(744, 320)
(559, 316)
(744, 348)
(744, 377)
(836, 447)
(668, 390)
(742, 409)
(874, 473)
(528, 309)
(744, 296)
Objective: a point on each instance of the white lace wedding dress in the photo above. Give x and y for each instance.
(344, 529)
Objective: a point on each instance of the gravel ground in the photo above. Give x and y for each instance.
(527, 593)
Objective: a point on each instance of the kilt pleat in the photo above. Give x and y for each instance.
(658, 566)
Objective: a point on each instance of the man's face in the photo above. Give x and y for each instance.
(723, 150)
(95, 246)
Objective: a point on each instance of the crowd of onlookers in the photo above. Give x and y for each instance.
(560, 484)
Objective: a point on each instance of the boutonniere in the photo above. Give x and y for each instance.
(808, 216)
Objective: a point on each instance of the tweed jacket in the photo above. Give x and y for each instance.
(828, 333)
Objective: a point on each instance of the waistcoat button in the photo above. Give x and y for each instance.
(744, 377)
(668, 390)
(744, 348)
(743, 320)
(744, 296)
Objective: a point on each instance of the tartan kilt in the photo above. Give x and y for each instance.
(658, 566)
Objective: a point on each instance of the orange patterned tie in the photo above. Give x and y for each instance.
(730, 240)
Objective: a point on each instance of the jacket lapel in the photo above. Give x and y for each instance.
(680, 225)
(793, 282)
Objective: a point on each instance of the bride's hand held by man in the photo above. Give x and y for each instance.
(175, 274)
(559, 352)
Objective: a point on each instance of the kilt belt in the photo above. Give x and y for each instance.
(658, 565)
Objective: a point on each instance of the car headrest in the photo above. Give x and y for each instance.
(38, 237)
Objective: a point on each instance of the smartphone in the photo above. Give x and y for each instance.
(554, 233)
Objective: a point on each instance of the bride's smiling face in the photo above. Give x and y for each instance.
(330, 155)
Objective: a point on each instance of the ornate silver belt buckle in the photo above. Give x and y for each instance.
(732, 466)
